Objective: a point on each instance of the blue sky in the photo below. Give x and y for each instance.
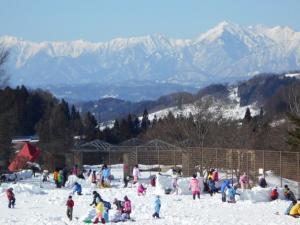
(99, 20)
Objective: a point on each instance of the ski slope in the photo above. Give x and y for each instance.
(44, 204)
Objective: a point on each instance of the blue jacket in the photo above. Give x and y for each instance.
(106, 173)
(157, 205)
(225, 184)
(211, 185)
(77, 188)
(232, 192)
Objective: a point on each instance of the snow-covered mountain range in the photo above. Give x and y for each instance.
(225, 52)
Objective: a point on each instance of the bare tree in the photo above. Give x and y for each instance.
(3, 76)
(294, 99)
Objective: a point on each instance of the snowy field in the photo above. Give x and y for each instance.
(39, 204)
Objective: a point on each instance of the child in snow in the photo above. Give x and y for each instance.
(96, 198)
(55, 178)
(194, 187)
(99, 213)
(141, 190)
(288, 194)
(231, 193)
(119, 204)
(287, 211)
(93, 177)
(215, 176)
(75, 170)
(136, 174)
(174, 182)
(70, 205)
(244, 181)
(211, 186)
(295, 210)
(157, 206)
(127, 206)
(77, 188)
(262, 182)
(106, 174)
(11, 198)
(224, 186)
(274, 194)
(45, 175)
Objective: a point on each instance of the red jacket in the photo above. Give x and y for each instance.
(70, 203)
(274, 194)
(10, 194)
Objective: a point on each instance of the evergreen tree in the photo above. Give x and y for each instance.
(145, 121)
(90, 126)
(154, 121)
(76, 125)
(294, 135)
(247, 116)
(136, 126)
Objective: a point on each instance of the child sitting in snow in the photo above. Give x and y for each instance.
(157, 206)
(77, 188)
(231, 193)
(274, 194)
(295, 210)
(141, 190)
(194, 187)
(124, 210)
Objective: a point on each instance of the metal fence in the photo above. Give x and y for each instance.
(233, 162)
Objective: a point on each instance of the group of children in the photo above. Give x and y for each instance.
(102, 178)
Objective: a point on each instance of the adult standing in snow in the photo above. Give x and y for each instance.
(105, 175)
(70, 205)
(136, 174)
(195, 187)
(225, 185)
(244, 181)
(11, 198)
(157, 205)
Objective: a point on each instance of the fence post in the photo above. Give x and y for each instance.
(280, 169)
(231, 165)
(136, 156)
(264, 163)
(216, 159)
(201, 171)
(174, 158)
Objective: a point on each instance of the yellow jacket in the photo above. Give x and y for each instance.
(295, 210)
(100, 208)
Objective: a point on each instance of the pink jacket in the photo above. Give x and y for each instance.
(127, 206)
(194, 184)
(215, 176)
(141, 188)
(244, 179)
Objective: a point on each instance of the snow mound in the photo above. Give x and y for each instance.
(164, 182)
(91, 213)
(72, 179)
(21, 175)
(258, 194)
(21, 188)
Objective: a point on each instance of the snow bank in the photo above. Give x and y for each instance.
(21, 175)
(21, 188)
(90, 214)
(164, 182)
(258, 194)
(72, 179)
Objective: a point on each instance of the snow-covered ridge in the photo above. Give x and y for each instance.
(227, 50)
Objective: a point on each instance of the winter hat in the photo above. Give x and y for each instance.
(70, 196)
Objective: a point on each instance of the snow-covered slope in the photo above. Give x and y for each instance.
(43, 204)
(226, 51)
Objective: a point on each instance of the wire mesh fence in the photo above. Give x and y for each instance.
(284, 165)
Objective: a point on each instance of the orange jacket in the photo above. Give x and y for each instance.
(55, 176)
